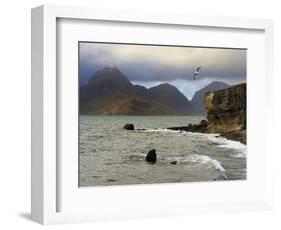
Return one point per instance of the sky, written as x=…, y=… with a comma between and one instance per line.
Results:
x=151, y=65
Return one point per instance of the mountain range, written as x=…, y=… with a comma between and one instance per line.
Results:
x=109, y=92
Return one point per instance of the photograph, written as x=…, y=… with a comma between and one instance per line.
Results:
x=151, y=113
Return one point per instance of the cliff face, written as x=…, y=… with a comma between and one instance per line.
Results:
x=198, y=98
x=226, y=109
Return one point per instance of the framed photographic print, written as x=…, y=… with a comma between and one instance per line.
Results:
x=138, y=114
x=133, y=123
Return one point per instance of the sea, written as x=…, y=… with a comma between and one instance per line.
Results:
x=111, y=155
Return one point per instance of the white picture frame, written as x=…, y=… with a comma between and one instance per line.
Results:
x=47, y=182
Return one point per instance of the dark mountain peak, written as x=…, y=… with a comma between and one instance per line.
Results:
x=110, y=92
x=109, y=69
x=164, y=86
x=168, y=91
x=169, y=95
x=109, y=72
x=110, y=77
x=105, y=82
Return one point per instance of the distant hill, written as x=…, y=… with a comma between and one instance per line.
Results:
x=110, y=92
x=170, y=96
x=198, y=98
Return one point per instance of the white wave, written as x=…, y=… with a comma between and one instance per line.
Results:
x=215, y=163
x=206, y=160
x=163, y=130
x=241, y=149
x=179, y=132
x=202, y=159
x=204, y=135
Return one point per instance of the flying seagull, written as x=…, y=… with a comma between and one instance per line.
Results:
x=196, y=73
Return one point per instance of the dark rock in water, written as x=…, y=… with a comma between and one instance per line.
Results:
x=129, y=127
x=111, y=180
x=173, y=162
x=151, y=157
x=204, y=122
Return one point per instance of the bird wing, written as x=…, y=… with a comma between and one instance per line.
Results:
x=198, y=68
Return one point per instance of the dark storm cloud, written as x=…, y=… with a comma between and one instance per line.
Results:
x=156, y=64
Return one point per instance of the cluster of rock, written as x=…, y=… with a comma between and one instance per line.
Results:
x=195, y=128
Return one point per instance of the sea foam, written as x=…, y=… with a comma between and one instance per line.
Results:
x=162, y=130
x=202, y=159
x=241, y=149
x=206, y=160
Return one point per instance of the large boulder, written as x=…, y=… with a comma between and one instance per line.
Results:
x=151, y=156
x=129, y=127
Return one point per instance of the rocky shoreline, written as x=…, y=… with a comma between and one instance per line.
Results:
x=239, y=135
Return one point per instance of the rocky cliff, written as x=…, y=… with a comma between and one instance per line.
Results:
x=226, y=109
x=226, y=114
x=198, y=98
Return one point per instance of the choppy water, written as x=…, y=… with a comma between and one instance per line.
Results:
x=110, y=155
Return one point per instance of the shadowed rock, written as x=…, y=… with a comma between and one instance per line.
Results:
x=226, y=109
x=199, y=128
x=129, y=127
x=173, y=162
x=151, y=157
